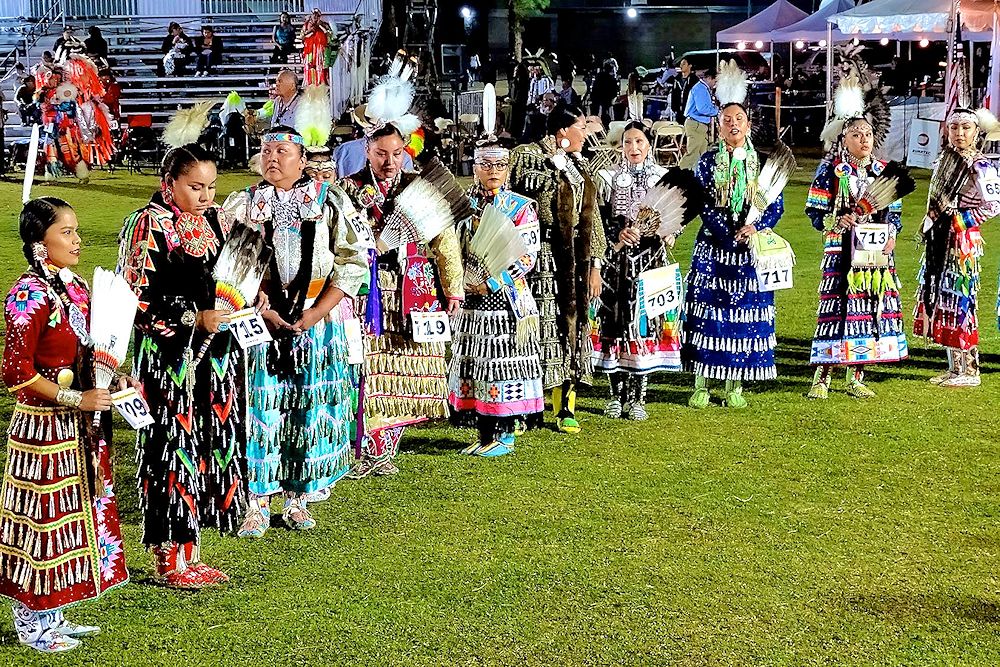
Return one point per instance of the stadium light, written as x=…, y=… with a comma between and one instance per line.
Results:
x=631, y=12
x=466, y=13
x=924, y=43
x=822, y=43
x=758, y=44
x=884, y=41
x=800, y=45
x=741, y=46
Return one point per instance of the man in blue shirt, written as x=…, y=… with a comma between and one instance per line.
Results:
x=698, y=115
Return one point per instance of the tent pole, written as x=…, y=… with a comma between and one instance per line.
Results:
x=829, y=69
x=952, y=12
x=772, y=61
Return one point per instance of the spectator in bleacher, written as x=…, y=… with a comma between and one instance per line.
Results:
x=286, y=98
x=176, y=47
x=26, y=104
x=283, y=39
x=209, y=48
x=315, y=49
x=112, y=93
x=68, y=44
x=96, y=45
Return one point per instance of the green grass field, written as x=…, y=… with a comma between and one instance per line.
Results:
x=792, y=533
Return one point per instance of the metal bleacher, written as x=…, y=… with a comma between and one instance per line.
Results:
x=134, y=52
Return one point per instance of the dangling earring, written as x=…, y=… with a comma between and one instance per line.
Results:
x=40, y=253
x=168, y=194
x=564, y=143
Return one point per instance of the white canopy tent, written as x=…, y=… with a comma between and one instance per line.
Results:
x=760, y=26
x=813, y=28
x=918, y=19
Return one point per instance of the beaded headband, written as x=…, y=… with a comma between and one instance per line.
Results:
x=959, y=115
x=284, y=136
x=491, y=152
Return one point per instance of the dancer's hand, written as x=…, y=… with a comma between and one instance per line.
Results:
x=454, y=305
x=847, y=221
x=310, y=316
x=274, y=320
x=890, y=245
x=126, y=381
x=95, y=400
x=629, y=236
x=481, y=289
x=211, y=320
x=595, y=285
x=263, y=302
x=744, y=233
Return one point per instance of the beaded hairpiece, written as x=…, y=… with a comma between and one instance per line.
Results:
x=284, y=136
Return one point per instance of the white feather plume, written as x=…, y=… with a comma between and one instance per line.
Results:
x=771, y=181
x=187, y=124
x=396, y=66
x=489, y=109
x=390, y=99
x=731, y=84
x=849, y=99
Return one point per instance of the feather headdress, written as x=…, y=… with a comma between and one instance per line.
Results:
x=731, y=85
x=857, y=96
x=488, y=145
x=187, y=125
x=390, y=100
x=848, y=104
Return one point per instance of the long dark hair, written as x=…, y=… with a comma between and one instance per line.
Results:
x=36, y=218
x=561, y=118
x=637, y=125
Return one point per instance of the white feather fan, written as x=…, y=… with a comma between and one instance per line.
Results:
x=112, y=312
x=495, y=246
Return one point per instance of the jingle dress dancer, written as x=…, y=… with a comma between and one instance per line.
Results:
x=567, y=276
x=625, y=353
x=300, y=383
x=191, y=465
x=960, y=202
x=60, y=541
x=859, y=319
x=729, y=320
x=495, y=372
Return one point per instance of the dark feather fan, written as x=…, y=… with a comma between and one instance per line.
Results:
x=951, y=174
x=892, y=184
x=425, y=208
x=672, y=203
x=437, y=175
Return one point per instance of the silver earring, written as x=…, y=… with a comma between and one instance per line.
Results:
x=564, y=143
x=39, y=252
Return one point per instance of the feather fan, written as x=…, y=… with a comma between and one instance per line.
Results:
x=313, y=118
x=112, y=312
x=187, y=125
x=731, y=84
x=892, y=184
x=988, y=124
x=425, y=208
x=771, y=181
x=238, y=271
x=448, y=186
x=667, y=208
x=495, y=246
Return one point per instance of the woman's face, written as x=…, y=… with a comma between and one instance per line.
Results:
x=575, y=134
x=385, y=156
x=859, y=140
x=635, y=145
x=492, y=172
x=194, y=191
x=962, y=134
x=62, y=240
x=735, y=126
x=283, y=163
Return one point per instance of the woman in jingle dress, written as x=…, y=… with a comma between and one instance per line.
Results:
x=625, y=353
x=949, y=275
x=60, y=541
x=495, y=372
x=729, y=321
x=299, y=442
x=191, y=467
x=859, y=321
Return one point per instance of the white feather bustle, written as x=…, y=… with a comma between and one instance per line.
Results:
x=988, y=124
